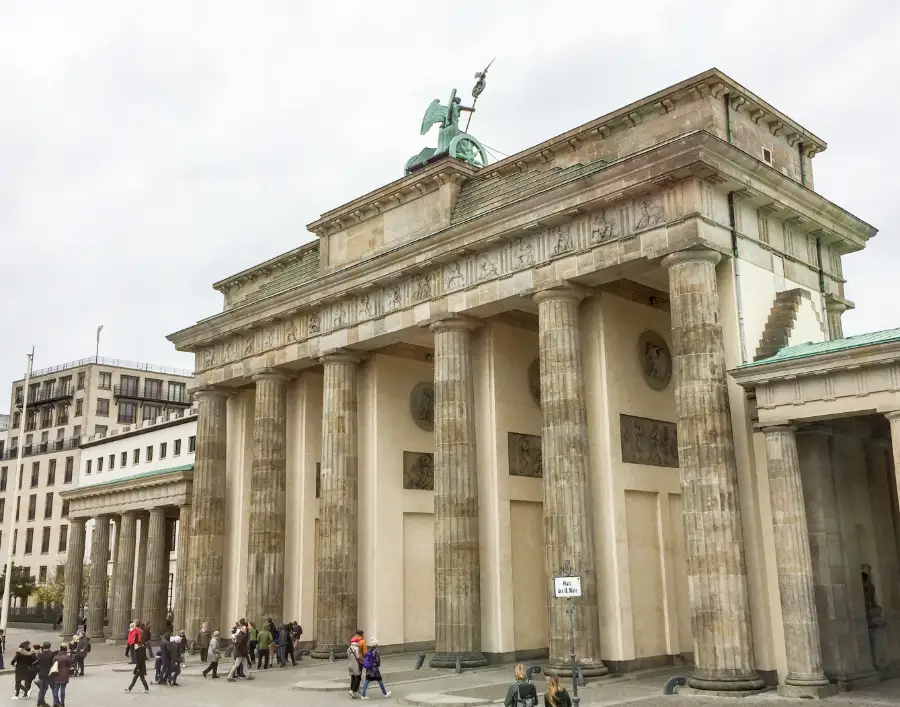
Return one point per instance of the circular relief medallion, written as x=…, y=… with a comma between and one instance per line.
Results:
x=534, y=380
x=655, y=360
x=421, y=405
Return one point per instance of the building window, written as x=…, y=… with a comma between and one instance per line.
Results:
x=61, y=573
x=767, y=155
x=42, y=571
x=31, y=421
x=177, y=450
x=99, y=465
x=2, y=509
x=136, y=456
x=112, y=462
x=48, y=506
x=21, y=472
x=51, y=472
x=65, y=510
x=76, y=435
x=80, y=384
x=63, y=538
x=70, y=470
x=65, y=384
x=127, y=413
x=15, y=540
x=46, y=417
x=177, y=393
x=18, y=507
x=151, y=412
x=17, y=419
x=62, y=415
x=103, y=407
x=32, y=506
x=192, y=444
x=87, y=467
x=152, y=389
x=35, y=474
x=45, y=546
x=100, y=430
x=163, y=446
x=79, y=407
x=149, y=454
x=29, y=540
x=128, y=385
x=105, y=381
x=123, y=460
x=4, y=475
x=169, y=591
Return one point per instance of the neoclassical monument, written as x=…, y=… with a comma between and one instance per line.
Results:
x=592, y=353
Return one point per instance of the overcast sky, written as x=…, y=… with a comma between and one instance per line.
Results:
x=148, y=149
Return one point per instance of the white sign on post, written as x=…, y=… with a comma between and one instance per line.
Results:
x=566, y=587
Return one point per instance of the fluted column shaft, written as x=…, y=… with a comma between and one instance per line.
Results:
x=568, y=498
x=124, y=571
x=835, y=311
x=336, y=593
x=457, y=571
x=265, y=561
x=182, y=562
x=97, y=590
x=74, y=576
x=157, y=578
x=714, y=543
x=113, y=577
x=793, y=560
x=140, y=570
x=207, y=537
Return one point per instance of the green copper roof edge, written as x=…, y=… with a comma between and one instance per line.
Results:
x=818, y=348
x=136, y=477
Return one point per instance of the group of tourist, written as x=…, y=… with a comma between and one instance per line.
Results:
x=47, y=669
x=265, y=645
x=362, y=656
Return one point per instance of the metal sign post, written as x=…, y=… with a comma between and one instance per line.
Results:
x=567, y=585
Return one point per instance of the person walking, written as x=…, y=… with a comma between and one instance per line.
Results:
x=287, y=645
x=214, y=653
x=175, y=660
x=556, y=696
x=23, y=661
x=140, y=667
x=163, y=659
x=203, y=640
x=252, y=632
x=521, y=693
x=134, y=637
x=44, y=662
x=354, y=665
x=241, y=649
x=182, y=647
x=60, y=676
x=263, y=647
x=2, y=648
x=363, y=648
x=372, y=666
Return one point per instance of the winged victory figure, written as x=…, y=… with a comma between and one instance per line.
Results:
x=451, y=140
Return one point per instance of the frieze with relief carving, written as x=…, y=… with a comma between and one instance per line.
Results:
x=418, y=471
x=421, y=405
x=525, y=455
x=649, y=442
x=655, y=360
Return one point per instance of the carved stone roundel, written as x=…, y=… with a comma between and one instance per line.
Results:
x=534, y=380
x=655, y=360
x=421, y=405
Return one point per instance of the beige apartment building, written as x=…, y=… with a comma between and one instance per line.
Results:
x=67, y=404
x=588, y=359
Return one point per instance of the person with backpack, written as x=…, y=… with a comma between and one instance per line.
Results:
x=23, y=661
x=263, y=647
x=521, y=693
x=556, y=696
x=140, y=667
x=354, y=665
x=372, y=666
x=59, y=675
x=44, y=662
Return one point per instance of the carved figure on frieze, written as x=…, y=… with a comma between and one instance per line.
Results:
x=650, y=442
x=269, y=340
x=601, y=228
x=525, y=457
x=365, y=308
x=290, y=331
x=421, y=286
x=314, y=326
x=649, y=213
x=248, y=344
x=418, y=471
x=228, y=352
x=487, y=267
x=560, y=237
x=339, y=317
x=524, y=252
x=655, y=360
x=209, y=356
x=421, y=405
x=393, y=298
x=453, y=276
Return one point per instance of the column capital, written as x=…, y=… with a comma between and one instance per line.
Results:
x=816, y=429
x=778, y=429
x=210, y=393
x=835, y=306
x=452, y=321
x=270, y=374
x=81, y=520
x=694, y=255
x=892, y=415
x=561, y=290
x=342, y=356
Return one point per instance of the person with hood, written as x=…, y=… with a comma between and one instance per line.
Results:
x=203, y=641
x=354, y=665
x=45, y=661
x=286, y=645
x=215, y=654
x=372, y=666
x=23, y=661
x=82, y=648
x=140, y=667
x=263, y=647
x=175, y=658
x=182, y=647
x=60, y=678
x=163, y=659
x=521, y=691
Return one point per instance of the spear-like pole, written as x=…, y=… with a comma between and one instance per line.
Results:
x=478, y=89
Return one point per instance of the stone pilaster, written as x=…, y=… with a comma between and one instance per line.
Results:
x=568, y=498
x=793, y=562
x=97, y=591
x=203, y=601
x=156, y=580
x=140, y=570
x=74, y=577
x=835, y=311
x=338, y=585
x=457, y=572
x=182, y=562
x=265, y=559
x=717, y=570
x=124, y=575
x=113, y=577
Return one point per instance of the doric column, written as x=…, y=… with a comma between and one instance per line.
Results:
x=793, y=562
x=156, y=580
x=182, y=562
x=835, y=311
x=203, y=587
x=336, y=593
x=97, y=590
x=74, y=577
x=124, y=576
x=140, y=571
x=113, y=578
x=568, y=499
x=717, y=570
x=457, y=572
x=265, y=558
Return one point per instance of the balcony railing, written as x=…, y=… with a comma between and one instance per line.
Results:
x=47, y=395
x=115, y=362
x=132, y=392
x=35, y=448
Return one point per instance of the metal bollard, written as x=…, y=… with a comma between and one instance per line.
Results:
x=331, y=655
x=420, y=661
x=531, y=671
x=669, y=689
x=458, y=665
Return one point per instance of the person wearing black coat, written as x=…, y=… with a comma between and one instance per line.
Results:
x=44, y=663
x=23, y=661
x=165, y=659
x=140, y=667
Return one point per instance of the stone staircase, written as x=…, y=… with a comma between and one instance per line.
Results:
x=781, y=322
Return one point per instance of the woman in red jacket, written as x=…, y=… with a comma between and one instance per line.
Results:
x=134, y=637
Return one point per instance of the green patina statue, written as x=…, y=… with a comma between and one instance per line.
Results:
x=452, y=141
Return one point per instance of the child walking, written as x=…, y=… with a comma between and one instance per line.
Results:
x=372, y=665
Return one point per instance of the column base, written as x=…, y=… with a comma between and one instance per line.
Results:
x=857, y=681
x=808, y=692
x=589, y=669
x=324, y=652
x=467, y=659
x=744, y=684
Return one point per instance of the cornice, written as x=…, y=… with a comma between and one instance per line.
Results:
x=270, y=266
